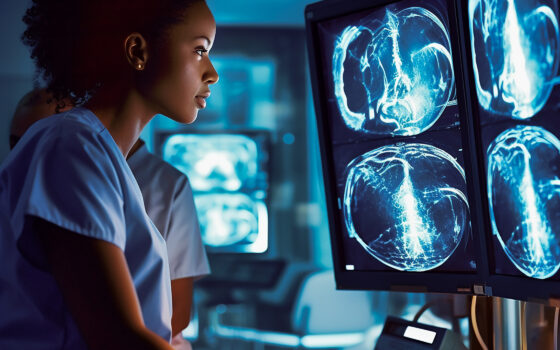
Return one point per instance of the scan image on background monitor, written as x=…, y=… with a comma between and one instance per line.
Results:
x=214, y=162
x=394, y=139
x=514, y=47
x=228, y=173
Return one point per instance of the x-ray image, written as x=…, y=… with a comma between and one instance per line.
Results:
x=395, y=130
x=514, y=46
x=524, y=198
x=406, y=205
x=393, y=72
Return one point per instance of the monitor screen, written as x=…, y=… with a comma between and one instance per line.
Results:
x=514, y=68
x=228, y=173
x=392, y=141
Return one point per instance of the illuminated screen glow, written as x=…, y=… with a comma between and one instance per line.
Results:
x=213, y=162
x=514, y=45
x=406, y=206
x=514, y=48
x=227, y=173
x=394, y=129
x=393, y=75
x=228, y=219
x=524, y=197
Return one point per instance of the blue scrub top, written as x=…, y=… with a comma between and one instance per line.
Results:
x=68, y=170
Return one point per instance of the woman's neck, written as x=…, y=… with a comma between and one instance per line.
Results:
x=123, y=112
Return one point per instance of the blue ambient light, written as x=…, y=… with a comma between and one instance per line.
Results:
x=402, y=69
x=405, y=205
x=524, y=197
x=514, y=46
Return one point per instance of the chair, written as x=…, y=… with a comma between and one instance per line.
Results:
x=320, y=317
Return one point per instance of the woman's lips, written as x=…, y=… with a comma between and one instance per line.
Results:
x=201, y=100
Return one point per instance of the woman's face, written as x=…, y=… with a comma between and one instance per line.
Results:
x=180, y=72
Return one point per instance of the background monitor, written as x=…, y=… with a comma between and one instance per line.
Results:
x=395, y=152
x=228, y=172
x=512, y=51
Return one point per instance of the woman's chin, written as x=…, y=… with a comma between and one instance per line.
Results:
x=185, y=118
x=192, y=118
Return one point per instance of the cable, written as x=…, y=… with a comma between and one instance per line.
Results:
x=428, y=305
x=422, y=309
x=555, y=335
x=475, y=324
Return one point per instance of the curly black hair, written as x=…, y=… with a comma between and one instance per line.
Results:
x=77, y=44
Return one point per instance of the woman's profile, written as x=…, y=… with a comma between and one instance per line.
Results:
x=83, y=266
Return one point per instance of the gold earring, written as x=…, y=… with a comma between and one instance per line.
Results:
x=139, y=66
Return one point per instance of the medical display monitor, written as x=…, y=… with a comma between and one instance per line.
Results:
x=228, y=173
x=514, y=67
x=391, y=126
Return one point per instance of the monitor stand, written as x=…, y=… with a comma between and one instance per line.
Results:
x=504, y=324
x=507, y=324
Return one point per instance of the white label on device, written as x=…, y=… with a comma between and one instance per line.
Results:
x=420, y=334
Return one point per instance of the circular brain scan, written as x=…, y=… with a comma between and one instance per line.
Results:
x=393, y=76
x=405, y=205
x=524, y=197
x=514, y=46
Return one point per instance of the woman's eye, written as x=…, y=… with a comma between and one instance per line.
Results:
x=200, y=52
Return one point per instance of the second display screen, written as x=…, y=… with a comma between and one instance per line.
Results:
x=515, y=55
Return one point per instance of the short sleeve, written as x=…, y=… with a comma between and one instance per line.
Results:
x=75, y=185
x=187, y=255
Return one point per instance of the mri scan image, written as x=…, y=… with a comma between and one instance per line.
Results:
x=524, y=197
x=393, y=74
x=514, y=46
x=405, y=204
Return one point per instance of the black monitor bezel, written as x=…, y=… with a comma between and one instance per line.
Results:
x=507, y=286
x=429, y=281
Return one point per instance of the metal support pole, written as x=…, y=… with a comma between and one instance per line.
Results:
x=507, y=324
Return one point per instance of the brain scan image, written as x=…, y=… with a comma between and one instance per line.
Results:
x=514, y=46
x=394, y=75
x=405, y=204
x=524, y=198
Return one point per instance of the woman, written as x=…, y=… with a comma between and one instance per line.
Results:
x=83, y=266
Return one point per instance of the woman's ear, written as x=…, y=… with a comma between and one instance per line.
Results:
x=136, y=50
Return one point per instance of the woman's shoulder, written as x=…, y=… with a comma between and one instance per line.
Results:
x=73, y=136
x=73, y=128
x=77, y=120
